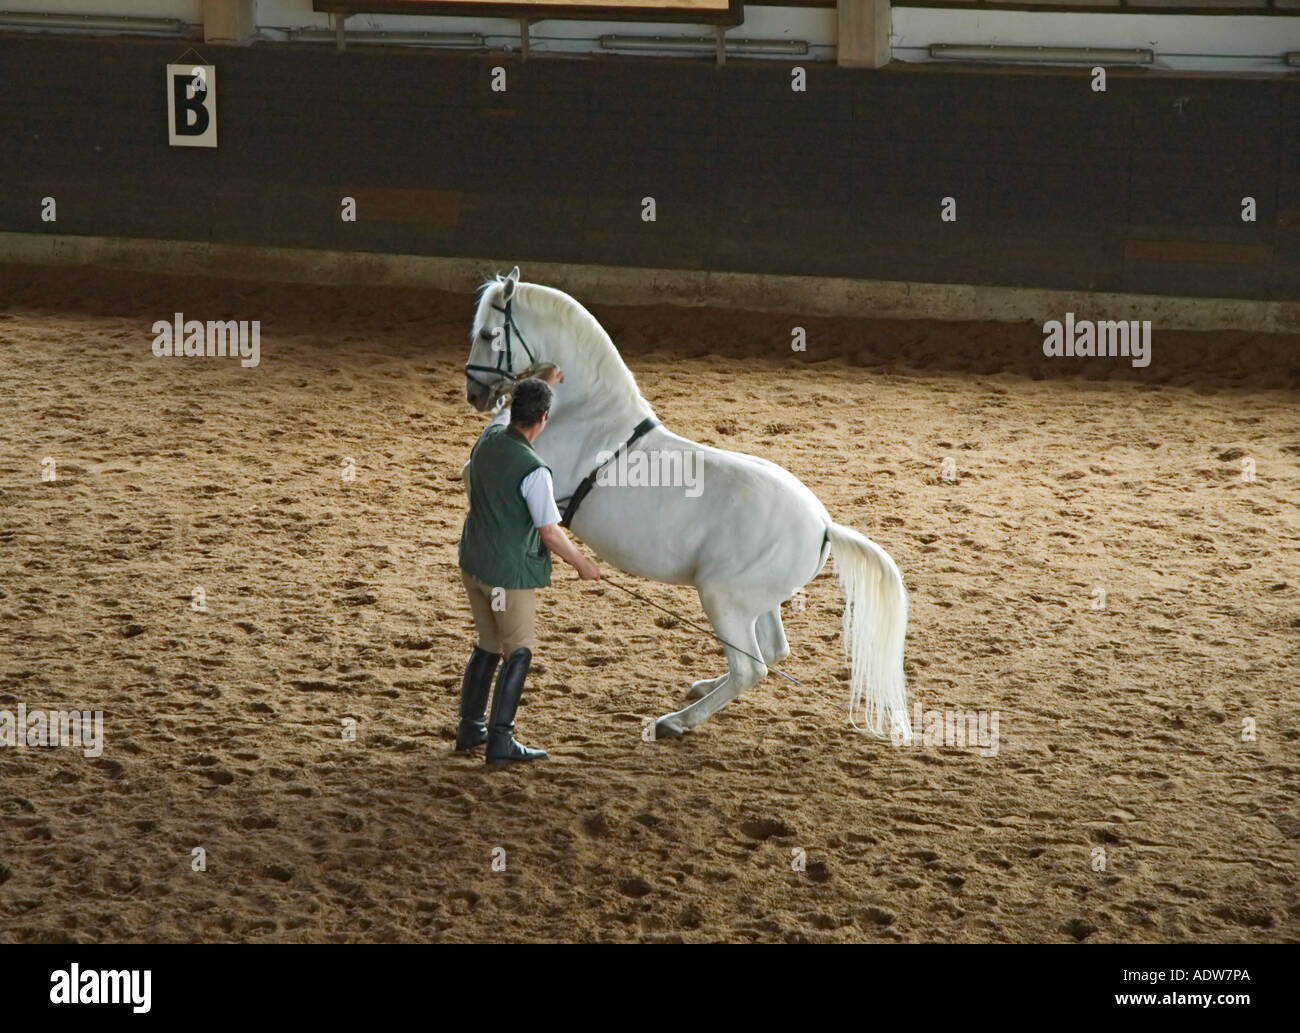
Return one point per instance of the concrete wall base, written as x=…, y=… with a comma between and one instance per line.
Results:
x=613, y=285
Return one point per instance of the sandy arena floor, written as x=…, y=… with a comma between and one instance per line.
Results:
x=1121, y=730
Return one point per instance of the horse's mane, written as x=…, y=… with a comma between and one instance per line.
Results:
x=580, y=331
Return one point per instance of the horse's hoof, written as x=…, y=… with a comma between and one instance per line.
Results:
x=669, y=726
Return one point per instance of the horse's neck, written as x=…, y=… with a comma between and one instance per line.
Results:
x=601, y=406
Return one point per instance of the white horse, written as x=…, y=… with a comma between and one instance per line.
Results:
x=753, y=535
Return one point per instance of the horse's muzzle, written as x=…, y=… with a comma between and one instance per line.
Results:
x=477, y=394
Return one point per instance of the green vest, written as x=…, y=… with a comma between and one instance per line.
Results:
x=499, y=544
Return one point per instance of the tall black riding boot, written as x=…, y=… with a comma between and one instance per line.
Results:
x=474, y=699
x=501, y=745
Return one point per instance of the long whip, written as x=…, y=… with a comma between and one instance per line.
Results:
x=699, y=627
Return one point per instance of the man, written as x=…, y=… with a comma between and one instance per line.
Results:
x=511, y=530
x=547, y=371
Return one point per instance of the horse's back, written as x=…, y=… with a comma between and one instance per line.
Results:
x=756, y=478
x=750, y=521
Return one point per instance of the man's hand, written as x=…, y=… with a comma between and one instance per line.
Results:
x=554, y=538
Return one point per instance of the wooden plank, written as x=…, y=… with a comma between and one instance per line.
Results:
x=1220, y=254
x=419, y=207
x=1189, y=116
x=1056, y=195
x=253, y=211
x=1203, y=191
x=1198, y=268
x=77, y=197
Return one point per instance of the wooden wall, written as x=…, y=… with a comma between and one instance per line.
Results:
x=1137, y=189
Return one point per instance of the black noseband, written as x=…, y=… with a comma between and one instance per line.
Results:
x=506, y=353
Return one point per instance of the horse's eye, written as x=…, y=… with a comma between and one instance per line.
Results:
x=486, y=333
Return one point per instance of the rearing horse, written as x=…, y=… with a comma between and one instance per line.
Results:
x=752, y=535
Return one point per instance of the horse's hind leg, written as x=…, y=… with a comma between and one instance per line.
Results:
x=700, y=689
x=743, y=669
x=772, y=645
x=771, y=637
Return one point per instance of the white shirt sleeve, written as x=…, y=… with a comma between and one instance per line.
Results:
x=539, y=492
x=500, y=419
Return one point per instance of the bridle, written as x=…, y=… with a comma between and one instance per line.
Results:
x=506, y=353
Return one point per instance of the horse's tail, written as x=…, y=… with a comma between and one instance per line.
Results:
x=875, y=624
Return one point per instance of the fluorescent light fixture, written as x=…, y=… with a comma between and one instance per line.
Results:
x=703, y=45
x=467, y=40
x=94, y=23
x=1058, y=55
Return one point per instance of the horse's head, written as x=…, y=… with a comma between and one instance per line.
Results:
x=557, y=330
x=497, y=350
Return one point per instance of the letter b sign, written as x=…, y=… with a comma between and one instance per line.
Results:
x=192, y=105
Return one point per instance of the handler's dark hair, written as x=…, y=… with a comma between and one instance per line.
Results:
x=530, y=401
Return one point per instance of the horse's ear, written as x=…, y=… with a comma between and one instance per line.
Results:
x=512, y=281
